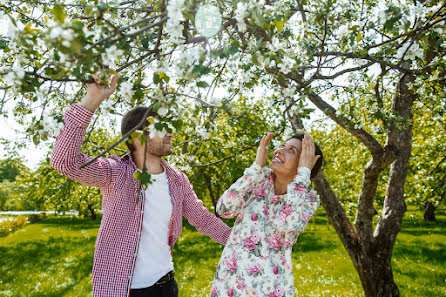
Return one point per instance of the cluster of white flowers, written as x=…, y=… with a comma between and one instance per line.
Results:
x=110, y=56
x=290, y=92
x=65, y=35
x=240, y=14
x=126, y=91
x=160, y=133
x=14, y=77
x=414, y=51
x=173, y=24
x=50, y=125
x=286, y=65
x=342, y=32
x=193, y=54
x=202, y=132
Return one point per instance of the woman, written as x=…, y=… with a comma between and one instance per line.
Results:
x=273, y=205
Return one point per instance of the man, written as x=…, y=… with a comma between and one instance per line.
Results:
x=139, y=225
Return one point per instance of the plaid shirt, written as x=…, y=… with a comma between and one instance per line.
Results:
x=123, y=205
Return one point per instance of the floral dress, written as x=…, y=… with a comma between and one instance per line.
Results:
x=256, y=260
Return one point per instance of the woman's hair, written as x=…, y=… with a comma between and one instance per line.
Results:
x=132, y=118
x=318, y=151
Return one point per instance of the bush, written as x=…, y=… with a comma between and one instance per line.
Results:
x=14, y=223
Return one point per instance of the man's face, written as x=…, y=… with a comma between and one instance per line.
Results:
x=286, y=158
x=156, y=146
x=160, y=146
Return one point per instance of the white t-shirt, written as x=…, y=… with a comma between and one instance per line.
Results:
x=154, y=259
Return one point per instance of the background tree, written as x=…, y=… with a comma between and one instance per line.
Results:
x=363, y=64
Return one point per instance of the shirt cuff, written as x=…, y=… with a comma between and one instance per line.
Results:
x=303, y=176
x=78, y=116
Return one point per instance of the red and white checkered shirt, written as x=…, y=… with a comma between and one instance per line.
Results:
x=122, y=209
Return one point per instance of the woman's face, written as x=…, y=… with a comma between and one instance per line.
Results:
x=286, y=158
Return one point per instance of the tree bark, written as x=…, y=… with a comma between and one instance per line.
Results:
x=211, y=193
x=92, y=212
x=429, y=213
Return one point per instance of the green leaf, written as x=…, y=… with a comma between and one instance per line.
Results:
x=202, y=84
x=358, y=37
x=156, y=78
x=59, y=14
x=279, y=25
x=145, y=178
x=137, y=175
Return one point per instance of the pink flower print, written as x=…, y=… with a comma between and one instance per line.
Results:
x=214, y=292
x=306, y=216
x=254, y=216
x=279, y=291
x=265, y=210
x=226, y=215
x=233, y=239
x=282, y=219
x=240, y=283
x=300, y=188
x=254, y=268
x=276, y=269
x=255, y=236
x=311, y=196
x=249, y=244
x=286, y=209
x=275, y=199
x=231, y=264
x=251, y=292
x=259, y=193
x=274, y=242
x=239, y=218
x=230, y=292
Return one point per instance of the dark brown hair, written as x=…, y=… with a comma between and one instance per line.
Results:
x=132, y=118
x=318, y=151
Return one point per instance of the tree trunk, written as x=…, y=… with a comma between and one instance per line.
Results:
x=92, y=212
x=429, y=213
x=211, y=193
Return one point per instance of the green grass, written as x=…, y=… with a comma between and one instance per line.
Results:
x=53, y=257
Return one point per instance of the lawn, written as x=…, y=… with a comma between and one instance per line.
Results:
x=53, y=257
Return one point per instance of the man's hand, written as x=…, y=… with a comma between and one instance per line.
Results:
x=262, y=151
x=96, y=93
x=307, y=155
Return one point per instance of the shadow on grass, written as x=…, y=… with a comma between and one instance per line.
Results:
x=314, y=242
x=421, y=251
x=71, y=223
x=42, y=256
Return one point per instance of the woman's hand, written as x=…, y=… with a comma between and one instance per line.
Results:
x=307, y=155
x=96, y=93
x=262, y=150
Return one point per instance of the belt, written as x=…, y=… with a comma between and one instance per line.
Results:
x=168, y=277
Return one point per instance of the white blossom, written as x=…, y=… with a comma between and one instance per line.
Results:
x=342, y=32
x=126, y=91
x=202, y=132
x=414, y=52
x=50, y=125
x=192, y=55
x=15, y=76
x=173, y=24
x=286, y=65
x=110, y=56
x=240, y=15
x=162, y=111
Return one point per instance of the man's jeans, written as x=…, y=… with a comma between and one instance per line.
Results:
x=168, y=289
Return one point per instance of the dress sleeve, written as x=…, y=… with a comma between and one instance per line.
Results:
x=299, y=205
x=239, y=195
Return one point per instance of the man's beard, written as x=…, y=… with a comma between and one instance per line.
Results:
x=159, y=151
